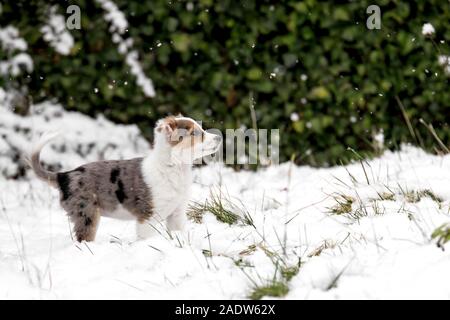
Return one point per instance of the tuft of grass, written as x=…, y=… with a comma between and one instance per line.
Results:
x=196, y=211
x=207, y=253
x=216, y=206
x=442, y=234
x=344, y=205
x=289, y=272
x=387, y=196
x=275, y=288
x=416, y=196
x=222, y=208
x=412, y=196
x=249, y=250
x=269, y=253
x=318, y=251
x=430, y=194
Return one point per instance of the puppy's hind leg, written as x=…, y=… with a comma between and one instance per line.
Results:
x=86, y=224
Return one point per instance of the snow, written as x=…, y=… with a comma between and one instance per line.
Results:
x=55, y=32
x=444, y=61
x=11, y=41
x=136, y=69
x=114, y=16
x=189, y=6
x=378, y=138
x=294, y=116
x=427, y=29
x=382, y=249
x=12, y=44
x=118, y=28
x=16, y=64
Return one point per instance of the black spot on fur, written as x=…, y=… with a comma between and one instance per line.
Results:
x=64, y=184
x=81, y=183
x=87, y=221
x=114, y=174
x=120, y=193
x=82, y=205
x=80, y=213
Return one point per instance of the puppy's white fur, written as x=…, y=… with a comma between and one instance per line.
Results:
x=167, y=171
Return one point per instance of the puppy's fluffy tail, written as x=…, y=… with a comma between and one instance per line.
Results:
x=35, y=164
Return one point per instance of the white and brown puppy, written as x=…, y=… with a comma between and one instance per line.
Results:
x=154, y=187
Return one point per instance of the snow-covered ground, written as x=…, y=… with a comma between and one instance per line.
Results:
x=360, y=231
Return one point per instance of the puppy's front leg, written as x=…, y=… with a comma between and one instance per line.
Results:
x=177, y=220
x=146, y=229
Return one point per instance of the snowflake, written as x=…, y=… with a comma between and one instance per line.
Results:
x=427, y=29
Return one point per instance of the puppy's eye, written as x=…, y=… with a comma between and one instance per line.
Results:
x=180, y=138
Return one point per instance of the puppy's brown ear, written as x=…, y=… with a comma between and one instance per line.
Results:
x=166, y=125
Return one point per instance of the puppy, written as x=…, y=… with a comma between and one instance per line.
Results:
x=154, y=187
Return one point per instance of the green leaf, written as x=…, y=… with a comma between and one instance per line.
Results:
x=254, y=73
x=181, y=41
x=320, y=93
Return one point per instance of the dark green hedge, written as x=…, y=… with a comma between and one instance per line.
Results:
x=214, y=57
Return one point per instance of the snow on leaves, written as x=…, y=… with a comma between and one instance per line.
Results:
x=56, y=34
x=118, y=28
x=11, y=43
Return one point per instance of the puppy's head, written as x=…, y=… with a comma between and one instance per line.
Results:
x=186, y=139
